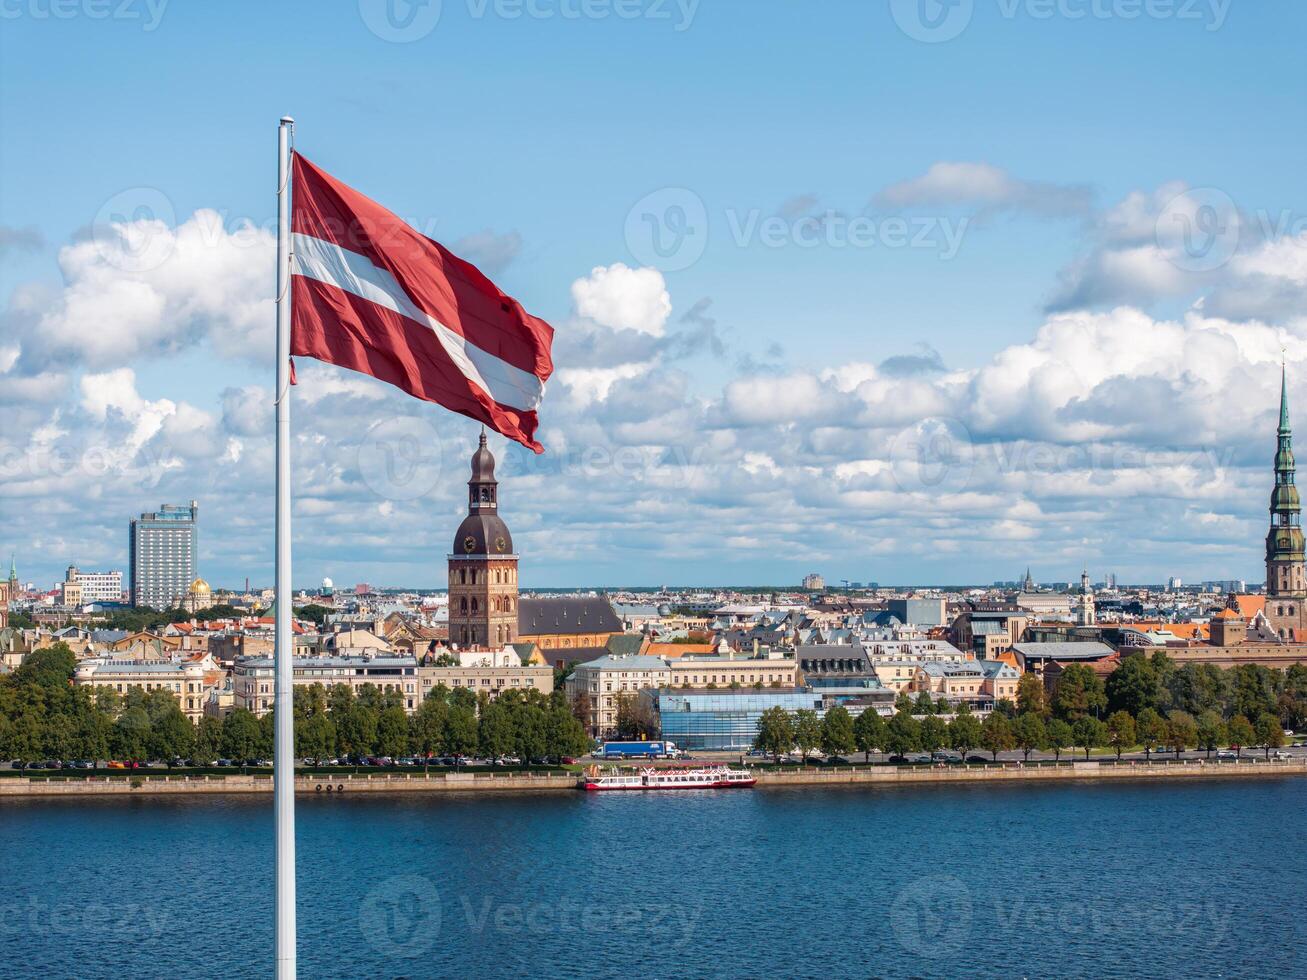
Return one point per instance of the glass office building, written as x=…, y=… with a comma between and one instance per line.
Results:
x=725, y=720
x=162, y=546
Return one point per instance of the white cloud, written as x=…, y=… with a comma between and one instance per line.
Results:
x=623, y=298
x=983, y=188
x=202, y=281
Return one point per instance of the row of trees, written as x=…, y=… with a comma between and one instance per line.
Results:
x=43, y=716
x=1155, y=682
x=840, y=734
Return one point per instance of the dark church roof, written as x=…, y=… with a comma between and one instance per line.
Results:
x=565, y=615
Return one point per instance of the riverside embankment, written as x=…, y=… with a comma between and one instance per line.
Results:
x=499, y=782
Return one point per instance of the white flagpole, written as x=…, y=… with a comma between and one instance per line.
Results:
x=283, y=773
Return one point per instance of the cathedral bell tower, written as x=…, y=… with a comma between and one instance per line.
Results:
x=482, y=565
x=1286, y=572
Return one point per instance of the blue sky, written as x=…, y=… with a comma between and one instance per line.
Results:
x=1043, y=142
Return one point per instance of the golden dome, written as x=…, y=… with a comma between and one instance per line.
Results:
x=200, y=587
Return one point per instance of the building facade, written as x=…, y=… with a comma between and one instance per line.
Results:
x=594, y=687
x=253, y=678
x=190, y=680
x=162, y=548
x=482, y=565
x=1286, y=564
x=93, y=586
x=493, y=680
x=724, y=720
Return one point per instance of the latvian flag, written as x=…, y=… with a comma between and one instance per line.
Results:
x=371, y=294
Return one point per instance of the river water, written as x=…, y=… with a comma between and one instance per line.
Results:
x=978, y=881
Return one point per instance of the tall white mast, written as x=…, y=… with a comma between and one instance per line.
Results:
x=284, y=745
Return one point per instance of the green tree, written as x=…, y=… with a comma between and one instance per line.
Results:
x=807, y=731
x=996, y=734
x=1031, y=697
x=1079, y=692
x=1210, y=730
x=1150, y=729
x=1240, y=733
x=315, y=737
x=171, y=735
x=208, y=741
x=775, y=732
x=564, y=734
x=1059, y=735
x=934, y=733
x=964, y=730
x=903, y=702
x=837, y=732
x=924, y=705
x=1029, y=732
x=427, y=726
x=495, y=731
x=131, y=735
x=1269, y=734
x=1181, y=731
x=1253, y=691
x=1120, y=731
x=49, y=667
x=1088, y=733
x=1133, y=686
x=869, y=732
x=902, y=734
x=356, y=730
x=392, y=732
x=460, y=730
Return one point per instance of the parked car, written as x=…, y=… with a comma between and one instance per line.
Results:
x=115, y=764
x=1281, y=754
x=568, y=760
x=1226, y=754
x=224, y=763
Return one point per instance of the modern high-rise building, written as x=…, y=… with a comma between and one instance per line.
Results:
x=163, y=546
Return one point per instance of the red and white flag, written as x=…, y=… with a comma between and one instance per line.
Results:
x=371, y=294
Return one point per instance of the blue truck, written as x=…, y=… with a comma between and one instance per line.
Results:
x=639, y=750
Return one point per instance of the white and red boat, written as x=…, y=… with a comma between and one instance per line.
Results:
x=708, y=777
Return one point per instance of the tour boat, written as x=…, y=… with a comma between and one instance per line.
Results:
x=711, y=777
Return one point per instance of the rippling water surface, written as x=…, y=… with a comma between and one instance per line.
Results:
x=1085, y=880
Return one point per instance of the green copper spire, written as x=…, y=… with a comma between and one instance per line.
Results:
x=1284, y=542
x=1284, y=400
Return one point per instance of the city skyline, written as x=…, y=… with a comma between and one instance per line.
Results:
x=741, y=405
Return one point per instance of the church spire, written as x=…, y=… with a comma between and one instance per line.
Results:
x=1286, y=574
x=1284, y=399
